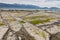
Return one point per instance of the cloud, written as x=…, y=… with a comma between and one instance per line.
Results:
x=53, y=0
x=43, y=3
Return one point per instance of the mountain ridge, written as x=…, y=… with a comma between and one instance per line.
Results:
x=24, y=6
x=3, y=5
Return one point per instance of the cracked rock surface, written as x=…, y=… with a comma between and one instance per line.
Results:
x=16, y=25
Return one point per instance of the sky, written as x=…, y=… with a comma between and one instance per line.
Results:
x=41, y=3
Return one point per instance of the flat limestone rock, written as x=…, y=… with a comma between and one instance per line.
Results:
x=58, y=35
x=11, y=36
x=15, y=26
x=3, y=30
x=53, y=30
x=35, y=32
x=55, y=36
x=19, y=38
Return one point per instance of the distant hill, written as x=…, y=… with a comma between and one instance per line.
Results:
x=24, y=6
x=54, y=8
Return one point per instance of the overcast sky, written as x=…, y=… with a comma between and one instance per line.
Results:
x=43, y=3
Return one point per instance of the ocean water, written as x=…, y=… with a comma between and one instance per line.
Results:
x=17, y=9
x=27, y=9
